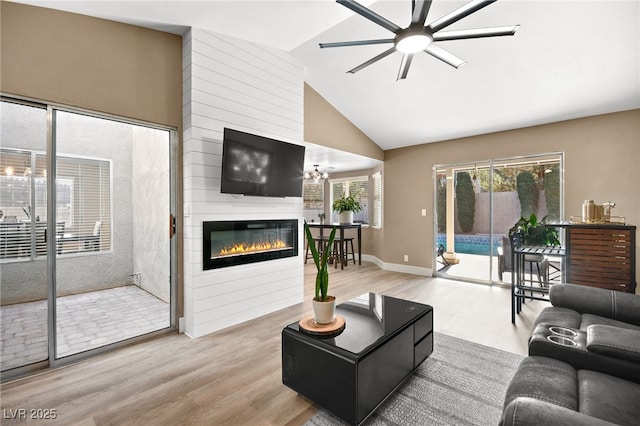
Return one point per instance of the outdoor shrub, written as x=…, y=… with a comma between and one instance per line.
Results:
x=552, y=193
x=527, y=193
x=465, y=201
x=442, y=208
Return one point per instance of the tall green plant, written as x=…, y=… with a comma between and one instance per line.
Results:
x=527, y=193
x=552, y=193
x=322, y=277
x=442, y=208
x=465, y=201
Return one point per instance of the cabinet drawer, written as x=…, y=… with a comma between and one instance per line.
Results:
x=423, y=349
x=422, y=327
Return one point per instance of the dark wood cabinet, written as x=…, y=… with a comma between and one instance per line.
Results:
x=601, y=256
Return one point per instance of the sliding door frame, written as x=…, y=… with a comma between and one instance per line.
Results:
x=51, y=157
x=471, y=165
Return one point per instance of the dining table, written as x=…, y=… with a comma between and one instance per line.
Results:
x=341, y=227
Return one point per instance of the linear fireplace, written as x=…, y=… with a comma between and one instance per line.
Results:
x=230, y=243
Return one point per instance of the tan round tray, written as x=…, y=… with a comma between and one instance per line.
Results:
x=309, y=325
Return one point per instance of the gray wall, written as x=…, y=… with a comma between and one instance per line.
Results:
x=150, y=201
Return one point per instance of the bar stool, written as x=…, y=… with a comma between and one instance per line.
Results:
x=334, y=251
x=340, y=252
x=321, y=244
x=349, y=241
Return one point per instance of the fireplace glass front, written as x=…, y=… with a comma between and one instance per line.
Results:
x=230, y=243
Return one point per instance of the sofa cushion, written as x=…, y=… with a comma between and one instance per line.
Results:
x=615, y=342
x=545, y=379
x=609, y=398
x=552, y=315
x=525, y=411
x=589, y=319
x=597, y=301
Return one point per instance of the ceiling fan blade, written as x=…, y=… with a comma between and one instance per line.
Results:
x=444, y=56
x=372, y=60
x=404, y=66
x=370, y=15
x=420, y=12
x=356, y=43
x=458, y=14
x=475, y=33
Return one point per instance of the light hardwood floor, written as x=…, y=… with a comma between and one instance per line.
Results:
x=233, y=377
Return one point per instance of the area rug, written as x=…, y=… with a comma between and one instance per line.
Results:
x=461, y=383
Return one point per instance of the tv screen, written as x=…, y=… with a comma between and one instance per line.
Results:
x=256, y=165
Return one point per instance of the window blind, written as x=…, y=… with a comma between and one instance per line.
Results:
x=377, y=200
x=83, y=192
x=313, y=200
x=359, y=188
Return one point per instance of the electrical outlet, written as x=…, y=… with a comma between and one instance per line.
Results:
x=406, y=257
x=424, y=212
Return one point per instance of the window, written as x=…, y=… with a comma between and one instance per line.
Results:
x=83, y=204
x=313, y=201
x=357, y=187
x=83, y=200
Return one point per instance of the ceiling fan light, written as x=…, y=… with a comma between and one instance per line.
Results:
x=413, y=43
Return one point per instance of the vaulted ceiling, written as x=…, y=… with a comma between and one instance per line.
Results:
x=568, y=59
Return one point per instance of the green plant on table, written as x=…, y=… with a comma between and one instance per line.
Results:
x=322, y=278
x=536, y=233
x=347, y=203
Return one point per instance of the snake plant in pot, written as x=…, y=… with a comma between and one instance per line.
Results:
x=324, y=306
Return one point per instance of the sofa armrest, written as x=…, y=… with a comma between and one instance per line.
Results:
x=614, y=342
x=612, y=304
x=531, y=411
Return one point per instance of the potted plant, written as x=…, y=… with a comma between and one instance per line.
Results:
x=536, y=233
x=324, y=306
x=346, y=206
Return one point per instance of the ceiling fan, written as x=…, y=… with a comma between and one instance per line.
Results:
x=418, y=37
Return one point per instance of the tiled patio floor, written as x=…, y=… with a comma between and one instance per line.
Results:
x=476, y=267
x=85, y=321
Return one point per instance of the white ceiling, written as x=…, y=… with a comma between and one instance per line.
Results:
x=568, y=59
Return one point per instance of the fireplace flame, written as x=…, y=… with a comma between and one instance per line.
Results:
x=244, y=248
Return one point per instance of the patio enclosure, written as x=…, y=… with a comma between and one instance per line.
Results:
x=84, y=205
x=477, y=203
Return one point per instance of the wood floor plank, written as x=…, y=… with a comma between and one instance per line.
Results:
x=233, y=377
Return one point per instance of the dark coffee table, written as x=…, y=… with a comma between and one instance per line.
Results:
x=385, y=339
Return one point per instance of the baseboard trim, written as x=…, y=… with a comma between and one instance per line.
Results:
x=396, y=267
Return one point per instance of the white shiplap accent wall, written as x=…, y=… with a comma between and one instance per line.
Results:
x=233, y=83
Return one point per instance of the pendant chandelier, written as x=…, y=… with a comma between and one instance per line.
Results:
x=316, y=175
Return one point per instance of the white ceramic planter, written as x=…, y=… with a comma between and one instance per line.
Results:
x=324, y=312
x=346, y=217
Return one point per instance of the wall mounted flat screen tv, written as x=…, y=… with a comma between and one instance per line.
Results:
x=260, y=166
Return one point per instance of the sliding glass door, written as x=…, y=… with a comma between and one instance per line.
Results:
x=23, y=213
x=463, y=221
x=87, y=254
x=477, y=203
x=113, y=246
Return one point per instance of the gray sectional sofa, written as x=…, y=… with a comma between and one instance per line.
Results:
x=584, y=361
